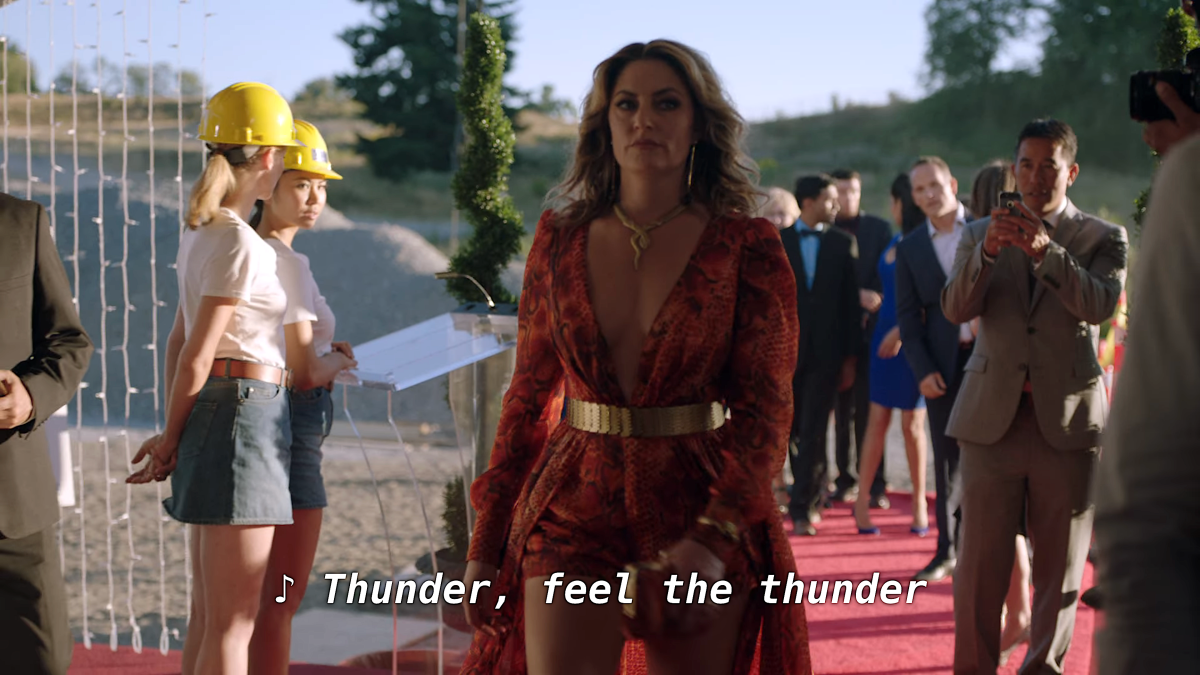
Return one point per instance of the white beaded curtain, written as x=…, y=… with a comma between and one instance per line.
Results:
x=108, y=248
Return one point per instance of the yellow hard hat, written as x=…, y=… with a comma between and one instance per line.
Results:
x=248, y=113
x=312, y=155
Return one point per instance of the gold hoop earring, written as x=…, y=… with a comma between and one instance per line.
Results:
x=687, y=195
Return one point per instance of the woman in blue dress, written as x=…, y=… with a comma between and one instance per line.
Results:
x=893, y=386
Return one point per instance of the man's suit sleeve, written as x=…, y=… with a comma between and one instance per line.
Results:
x=963, y=296
x=851, y=304
x=1090, y=293
x=908, y=317
x=1147, y=487
x=61, y=348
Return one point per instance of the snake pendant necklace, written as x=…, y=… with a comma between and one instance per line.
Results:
x=641, y=235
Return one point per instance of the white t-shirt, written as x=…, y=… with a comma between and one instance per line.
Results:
x=226, y=258
x=304, y=299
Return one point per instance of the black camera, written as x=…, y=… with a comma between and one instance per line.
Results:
x=1144, y=104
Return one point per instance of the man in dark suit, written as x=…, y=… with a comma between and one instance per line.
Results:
x=1040, y=276
x=872, y=236
x=823, y=259
x=937, y=350
x=44, y=354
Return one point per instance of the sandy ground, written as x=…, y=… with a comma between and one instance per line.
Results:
x=116, y=519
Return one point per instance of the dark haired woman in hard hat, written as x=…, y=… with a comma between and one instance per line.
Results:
x=315, y=359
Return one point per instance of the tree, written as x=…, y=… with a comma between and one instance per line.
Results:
x=322, y=98
x=1090, y=51
x=18, y=63
x=550, y=105
x=1177, y=37
x=82, y=78
x=407, y=79
x=966, y=36
x=112, y=76
x=321, y=90
x=481, y=184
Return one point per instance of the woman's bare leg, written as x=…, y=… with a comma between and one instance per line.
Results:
x=1017, y=602
x=292, y=553
x=912, y=424
x=565, y=639
x=709, y=653
x=234, y=558
x=196, y=614
x=876, y=436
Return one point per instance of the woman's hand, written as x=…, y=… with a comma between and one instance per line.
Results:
x=162, y=453
x=889, y=347
x=343, y=348
x=685, y=557
x=345, y=362
x=482, y=614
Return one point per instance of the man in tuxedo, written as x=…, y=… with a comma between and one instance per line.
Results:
x=1147, y=487
x=872, y=236
x=937, y=349
x=44, y=354
x=823, y=259
x=1040, y=277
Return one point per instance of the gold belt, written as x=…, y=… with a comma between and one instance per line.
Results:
x=599, y=418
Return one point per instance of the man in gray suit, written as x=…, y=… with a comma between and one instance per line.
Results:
x=1040, y=277
x=1148, y=484
x=43, y=356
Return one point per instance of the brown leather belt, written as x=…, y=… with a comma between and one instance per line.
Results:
x=251, y=371
x=599, y=418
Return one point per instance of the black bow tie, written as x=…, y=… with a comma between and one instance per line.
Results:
x=807, y=232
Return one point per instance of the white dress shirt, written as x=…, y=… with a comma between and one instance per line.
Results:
x=945, y=246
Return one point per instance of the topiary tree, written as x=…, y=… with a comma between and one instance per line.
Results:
x=481, y=183
x=1177, y=37
x=454, y=518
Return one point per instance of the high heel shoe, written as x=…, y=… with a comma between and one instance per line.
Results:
x=919, y=530
x=872, y=530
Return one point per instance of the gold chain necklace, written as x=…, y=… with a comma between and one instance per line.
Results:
x=641, y=235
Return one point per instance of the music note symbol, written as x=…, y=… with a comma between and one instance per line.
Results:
x=287, y=581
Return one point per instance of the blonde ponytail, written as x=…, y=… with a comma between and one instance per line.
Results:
x=214, y=185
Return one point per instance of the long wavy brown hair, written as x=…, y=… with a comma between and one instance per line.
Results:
x=995, y=177
x=724, y=178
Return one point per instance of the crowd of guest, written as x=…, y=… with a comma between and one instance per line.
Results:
x=985, y=316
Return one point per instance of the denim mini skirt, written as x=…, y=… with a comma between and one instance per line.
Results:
x=312, y=419
x=234, y=456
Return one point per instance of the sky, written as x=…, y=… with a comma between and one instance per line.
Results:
x=778, y=57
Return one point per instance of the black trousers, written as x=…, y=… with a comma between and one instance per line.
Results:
x=35, y=638
x=814, y=393
x=946, y=476
x=854, y=404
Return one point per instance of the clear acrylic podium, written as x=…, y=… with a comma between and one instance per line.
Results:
x=473, y=345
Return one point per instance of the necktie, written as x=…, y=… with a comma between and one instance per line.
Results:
x=1033, y=280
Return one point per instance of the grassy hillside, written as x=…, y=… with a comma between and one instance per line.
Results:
x=877, y=141
x=966, y=128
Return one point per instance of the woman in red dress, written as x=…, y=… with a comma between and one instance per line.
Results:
x=655, y=299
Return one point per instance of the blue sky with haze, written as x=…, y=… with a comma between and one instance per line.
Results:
x=775, y=57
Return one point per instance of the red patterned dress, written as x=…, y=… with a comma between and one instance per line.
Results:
x=583, y=503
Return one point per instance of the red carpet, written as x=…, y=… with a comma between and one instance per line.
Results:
x=847, y=639
x=879, y=639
